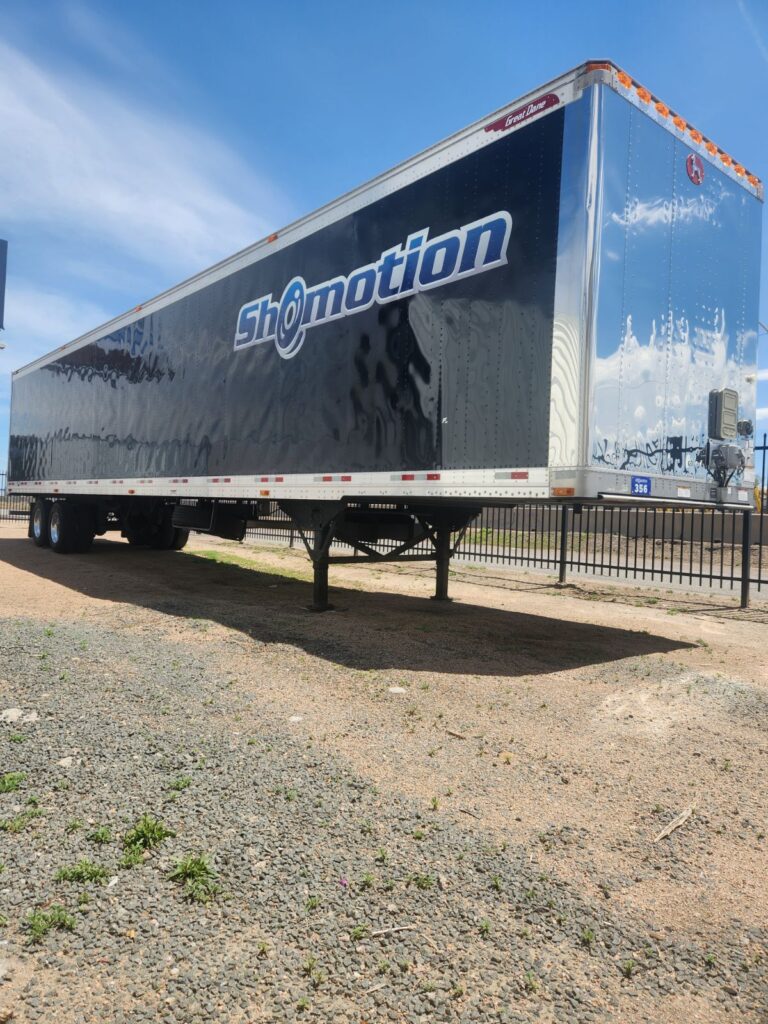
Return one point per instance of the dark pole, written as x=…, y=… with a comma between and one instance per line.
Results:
x=442, y=562
x=323, y=538
x=563, y=542
x=320, y=585
x=746, y=555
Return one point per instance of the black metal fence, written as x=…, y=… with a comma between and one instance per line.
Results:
x=718, y=549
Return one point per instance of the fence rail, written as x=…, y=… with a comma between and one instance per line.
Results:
x=718, y=549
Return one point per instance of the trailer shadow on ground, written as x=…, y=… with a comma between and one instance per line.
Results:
x=367, y=629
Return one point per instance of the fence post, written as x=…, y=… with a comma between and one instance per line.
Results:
x=746, y=556
x=563, y=542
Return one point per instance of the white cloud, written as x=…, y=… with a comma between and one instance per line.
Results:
x=762, y=414
x=42, y=320
x=762, y=374
x=752, y=29
x=80, y=159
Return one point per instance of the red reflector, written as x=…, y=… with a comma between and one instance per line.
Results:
x=519, y=474
x=407, y=476
x=327, y=479
x=185, y=481
x=264, y=480
x=433, y=476
x=346, y=479
x=227, y=479
x=278, y=479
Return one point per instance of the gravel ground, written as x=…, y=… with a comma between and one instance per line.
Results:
x=486, y=777
x=312, y=862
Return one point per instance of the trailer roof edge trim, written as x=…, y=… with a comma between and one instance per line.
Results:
x=561, y=90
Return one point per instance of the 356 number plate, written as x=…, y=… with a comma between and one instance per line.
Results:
x=641, y=486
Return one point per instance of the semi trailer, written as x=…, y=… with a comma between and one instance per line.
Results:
x=559, y=302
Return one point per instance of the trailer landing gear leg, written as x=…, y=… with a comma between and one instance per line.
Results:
x=320, y=566
x=442, y=562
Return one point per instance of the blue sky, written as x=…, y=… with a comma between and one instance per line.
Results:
x=142, y=142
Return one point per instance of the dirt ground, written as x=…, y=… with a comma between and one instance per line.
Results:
x=577, y=721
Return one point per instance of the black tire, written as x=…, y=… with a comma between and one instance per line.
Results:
x=63, y=532
x=38, y=523
x=164, y=536
x=180, y=540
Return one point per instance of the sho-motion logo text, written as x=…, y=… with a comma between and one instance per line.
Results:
x=421, y=263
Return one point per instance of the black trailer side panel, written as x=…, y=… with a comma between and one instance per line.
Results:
x=454, y=377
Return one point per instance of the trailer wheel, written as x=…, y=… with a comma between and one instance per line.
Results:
x=164, y=536
x=38, y=523
x=180, y=540
x=62, y=528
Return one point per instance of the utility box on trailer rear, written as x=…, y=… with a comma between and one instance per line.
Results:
x=559, y=301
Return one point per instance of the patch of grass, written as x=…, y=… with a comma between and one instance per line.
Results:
x=309, y=965
x=457, y=991
x=484, y=928
x=434, y=804
x=40, y=922
x=73, y=826
x=11, y=781
x=496, y=883
x=262, y=950
x=366, y=827
x=628, y=968
x=84, y=871
x=182, y=782
x=382, y=857
x=531, y=983
x=197, y=877
x=3, y=921
x=16, y=737
x=20, y=822
x=710, y=959
x=418, y=833
x=384, y=967
x=367, y=881
x=302, y=1004
x=421, y=881
x=133, y=855
x=312, y=903
x=358, y=932
x=147, y=833
x=587, y=937
x=100, y=835
x=249, y=563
